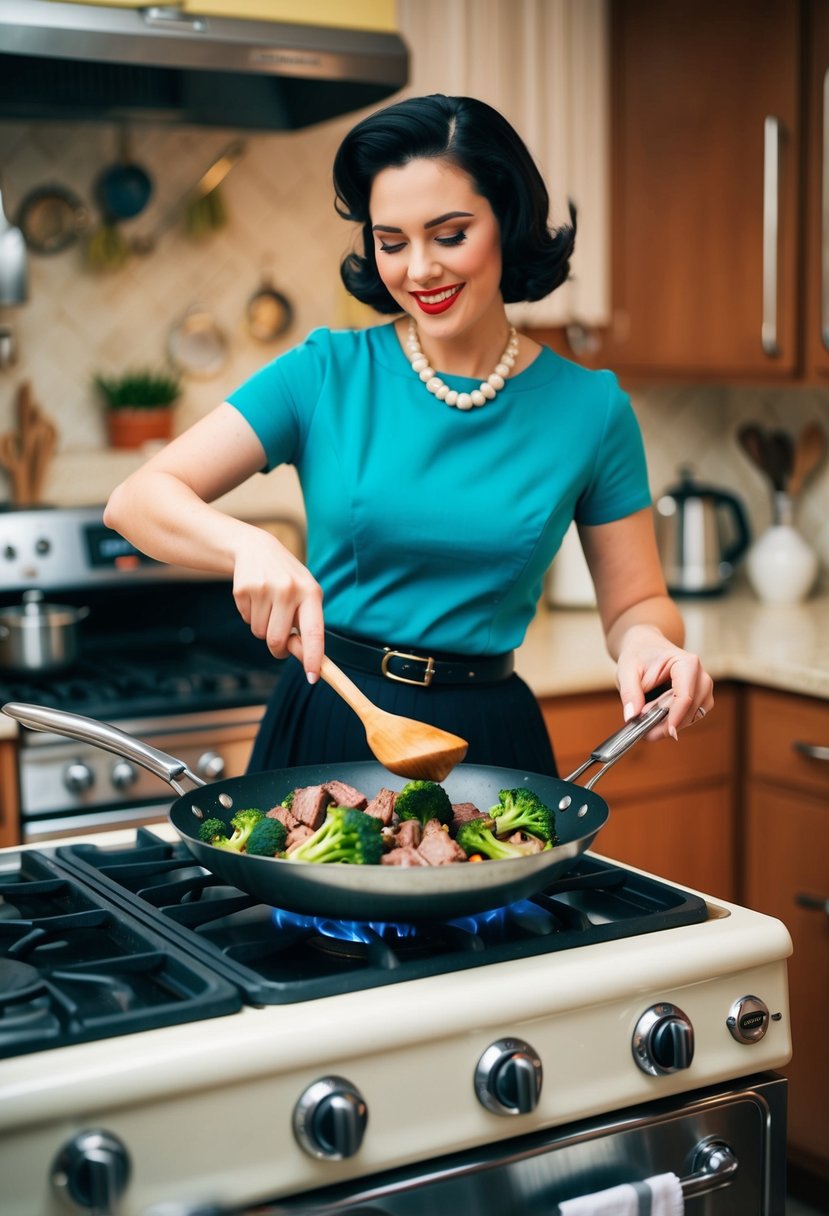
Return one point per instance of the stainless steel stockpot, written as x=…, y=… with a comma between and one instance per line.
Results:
x=38, y=636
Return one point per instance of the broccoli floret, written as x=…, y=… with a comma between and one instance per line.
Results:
x=267, y=838
x=212, y=830
x=423, y=800
x=477, y=836
x=288, y=800
x=347, y=836
x=522, y=810
x=243, y=823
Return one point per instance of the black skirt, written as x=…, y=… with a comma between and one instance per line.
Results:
x=311, y=724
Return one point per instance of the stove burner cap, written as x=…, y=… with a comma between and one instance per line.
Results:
x=17, y=977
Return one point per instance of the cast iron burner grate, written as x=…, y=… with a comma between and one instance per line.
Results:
x=73, y=968
x=278, y=958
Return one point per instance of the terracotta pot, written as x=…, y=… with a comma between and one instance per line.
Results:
x=132, y=428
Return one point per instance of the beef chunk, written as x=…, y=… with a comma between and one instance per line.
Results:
x=382, y=806
x=403, y=857
x=346, y=795
x=296, y=836
x=310, y=804
x=408, y=834
x=438, y=847
x=462, y=812
x=283, y=815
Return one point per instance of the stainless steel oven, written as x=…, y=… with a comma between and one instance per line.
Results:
x=161, y=652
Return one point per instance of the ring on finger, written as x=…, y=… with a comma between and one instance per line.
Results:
x=699, y=714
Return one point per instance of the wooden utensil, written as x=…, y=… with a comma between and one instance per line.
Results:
x=402, y=745
x=754, y=442
x=809, y=452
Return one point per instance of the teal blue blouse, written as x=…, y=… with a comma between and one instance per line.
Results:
x=429, y=526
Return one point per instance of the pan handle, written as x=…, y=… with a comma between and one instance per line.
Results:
x=614, y=748
x=105, y=736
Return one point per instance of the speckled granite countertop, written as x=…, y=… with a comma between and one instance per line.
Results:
x=737, y=637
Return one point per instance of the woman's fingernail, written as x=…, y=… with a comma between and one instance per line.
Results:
x=312, y=677
x=672, y=733
x=629, y=711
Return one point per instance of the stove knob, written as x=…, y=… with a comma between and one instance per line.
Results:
x=123, y=775
x=330, y=1119
x=748, y=1019
x=210, y=766
x=663, y=1041
x=92, y=1171
x=78, y=777
x=508, y=1078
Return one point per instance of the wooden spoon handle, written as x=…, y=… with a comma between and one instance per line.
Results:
x=339, y=681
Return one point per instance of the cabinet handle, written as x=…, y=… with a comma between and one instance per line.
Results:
x=813, y=902
x=813, y=751
x=824, y=244
x=771, y=226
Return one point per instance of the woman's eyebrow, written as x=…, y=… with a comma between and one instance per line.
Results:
x=441, y=219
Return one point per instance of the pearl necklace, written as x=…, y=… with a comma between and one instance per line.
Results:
x=462, y=401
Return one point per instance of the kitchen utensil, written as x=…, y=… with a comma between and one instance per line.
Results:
x=402, y=745
x=367, y=892
x=196, y=345
x=809, y=452
x=14, y=279
x=124, y=188
x=207, y=183
x=38, y=636
x=702, y=532
x=52, y=218
x=269, y=314
x=11, y=460
x=754, y=442
x=780, y=447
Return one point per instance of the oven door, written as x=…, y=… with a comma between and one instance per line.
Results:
x=726, y=1144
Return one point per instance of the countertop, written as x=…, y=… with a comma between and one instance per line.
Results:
x=737, y=637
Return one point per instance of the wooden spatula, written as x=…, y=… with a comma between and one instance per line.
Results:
x=402, y=745
x=810, y=449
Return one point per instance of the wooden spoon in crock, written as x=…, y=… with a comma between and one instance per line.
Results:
x=402, y=745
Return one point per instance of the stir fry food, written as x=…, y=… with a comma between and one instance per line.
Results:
x=418, y=825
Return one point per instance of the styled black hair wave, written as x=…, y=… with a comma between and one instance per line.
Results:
x=477, y=139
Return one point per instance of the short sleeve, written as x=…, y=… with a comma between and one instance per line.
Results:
x=618, y=485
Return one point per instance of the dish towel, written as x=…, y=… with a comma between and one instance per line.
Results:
x=657, y=1196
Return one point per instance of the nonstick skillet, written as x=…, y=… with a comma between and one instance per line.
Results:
x=367, y=893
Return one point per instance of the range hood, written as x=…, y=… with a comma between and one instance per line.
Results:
x=156, y=63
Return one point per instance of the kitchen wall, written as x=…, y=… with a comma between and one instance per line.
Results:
x=280, y=221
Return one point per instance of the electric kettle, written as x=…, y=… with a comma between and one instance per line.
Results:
x=702, y=532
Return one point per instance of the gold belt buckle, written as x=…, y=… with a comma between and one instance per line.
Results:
x=428, y=673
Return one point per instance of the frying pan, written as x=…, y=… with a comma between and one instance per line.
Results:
x=368, y=893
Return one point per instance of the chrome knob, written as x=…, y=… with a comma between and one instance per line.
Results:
x=330, y=1119
x=748, y=1019
x=210, y=766
x=92, y=1171
x=508, y=1078
x=78, y=776
x=123, y=775
x=663, y=1040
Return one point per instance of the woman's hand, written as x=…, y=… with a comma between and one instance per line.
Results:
x=647, y=659
x=274, y=594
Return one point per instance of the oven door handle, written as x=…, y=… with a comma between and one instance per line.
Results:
x=105, y=736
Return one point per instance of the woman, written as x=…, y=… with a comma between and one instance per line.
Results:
x=442, y=457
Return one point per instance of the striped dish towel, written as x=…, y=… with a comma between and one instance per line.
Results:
x=657, y=1196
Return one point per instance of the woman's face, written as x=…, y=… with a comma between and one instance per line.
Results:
x=437, y=245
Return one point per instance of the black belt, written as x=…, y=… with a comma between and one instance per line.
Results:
x=408, y=668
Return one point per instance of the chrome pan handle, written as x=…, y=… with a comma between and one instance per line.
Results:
x=105, y=736
x=614, y=748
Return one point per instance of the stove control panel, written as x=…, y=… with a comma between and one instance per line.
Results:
x=91, y=1172
x=748, y=1019
x=330, y=1119
x=508, y=1078
x=663, y=1041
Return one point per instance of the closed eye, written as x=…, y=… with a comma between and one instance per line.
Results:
x=456, y=239
x=392, y=248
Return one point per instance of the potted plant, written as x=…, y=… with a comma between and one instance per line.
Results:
x=139, y=406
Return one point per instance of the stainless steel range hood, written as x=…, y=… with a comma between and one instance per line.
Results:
x=101, y=63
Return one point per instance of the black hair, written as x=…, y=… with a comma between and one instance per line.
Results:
x=477, y=139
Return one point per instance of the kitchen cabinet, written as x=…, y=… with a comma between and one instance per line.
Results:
x=671, y=804
x=717, y=161
x=787, y=875
x=9, y=796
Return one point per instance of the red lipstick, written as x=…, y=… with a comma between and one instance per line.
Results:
x=422, y=298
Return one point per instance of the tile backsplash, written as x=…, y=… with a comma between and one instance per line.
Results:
x=281, y=224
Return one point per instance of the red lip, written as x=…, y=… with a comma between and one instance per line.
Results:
x=434, y=309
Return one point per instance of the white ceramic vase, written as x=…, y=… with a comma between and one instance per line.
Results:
x=781, y=566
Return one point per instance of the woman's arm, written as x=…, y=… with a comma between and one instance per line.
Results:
x=164, y=510
x=644, y=630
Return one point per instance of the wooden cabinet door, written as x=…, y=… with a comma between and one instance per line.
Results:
x=787, y=876
x=817, y=193
x=693, y=83
x=9, y=794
